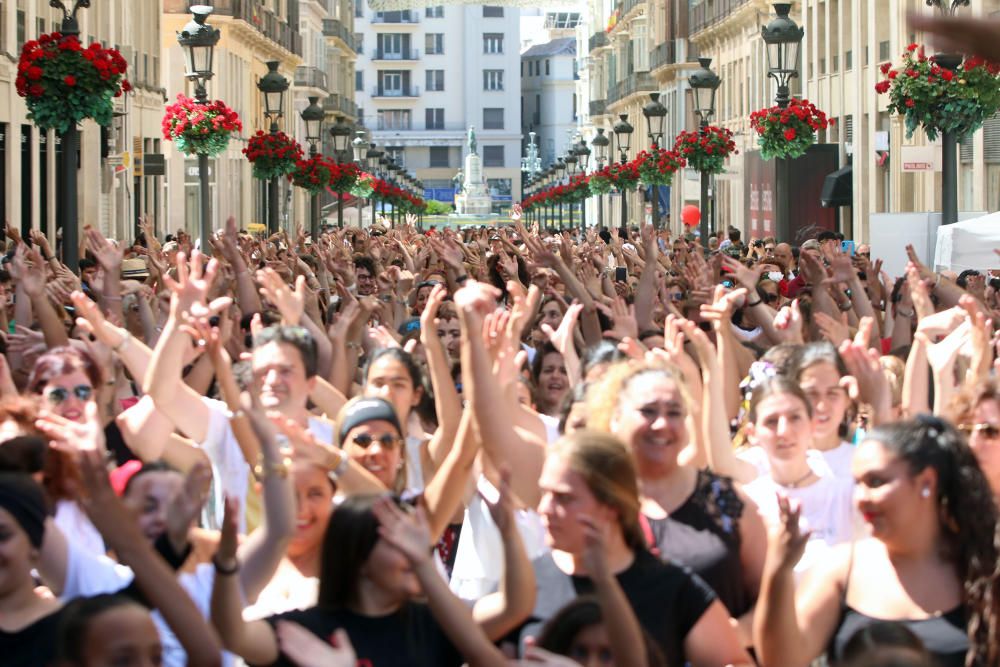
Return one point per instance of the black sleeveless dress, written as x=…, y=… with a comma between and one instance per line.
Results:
x=703, y=534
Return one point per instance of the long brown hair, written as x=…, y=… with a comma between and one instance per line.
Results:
x=607, y=470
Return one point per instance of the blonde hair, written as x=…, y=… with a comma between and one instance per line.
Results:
x=607, y=470
x=894, y=369
x=604, y=398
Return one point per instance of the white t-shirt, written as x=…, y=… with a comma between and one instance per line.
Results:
x=88, y=574
x=827, y=511
x=288, y=590
x=77, y=528
x=757, y=457
x=839, y=459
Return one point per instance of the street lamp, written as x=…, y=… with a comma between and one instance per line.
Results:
x=198, y=39
x=313, y=116
x=273, y=86
x=656, y=120
x=583, y=155
x=570, y=160
x=372, y=156
x=704, y=82
x=341, y=133
x=560, y=173
x=623, y=133
x=70, y=143
x=600, y=144
x=782, y=37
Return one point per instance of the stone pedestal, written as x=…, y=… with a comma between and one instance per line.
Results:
x=475, y=197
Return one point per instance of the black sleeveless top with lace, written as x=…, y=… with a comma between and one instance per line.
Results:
x=704, y=535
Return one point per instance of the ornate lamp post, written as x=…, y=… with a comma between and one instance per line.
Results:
x=583, y=155
x=571, y=162
x=197, y=40
x=600, y=144
x=359, y=147
x=313, y=116
x=783, y=38
x=372, y=157
x=623, y=133
x=704, y=82
x=273, y=86
x=341, y=133
x=559, y=173
x=656, y=120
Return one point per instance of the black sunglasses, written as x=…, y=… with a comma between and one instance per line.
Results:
x=58, y=395
x=388, y=441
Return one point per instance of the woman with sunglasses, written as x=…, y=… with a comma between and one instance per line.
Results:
x=67, y=380
x=976, y=410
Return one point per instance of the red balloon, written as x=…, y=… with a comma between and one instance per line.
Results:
x=690, y=215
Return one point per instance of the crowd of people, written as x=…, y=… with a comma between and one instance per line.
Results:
x=495, y=446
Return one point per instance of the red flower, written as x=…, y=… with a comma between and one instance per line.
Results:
x=34, y=73
x=69, y=80
x=882, y=86
x=789, y=134
x=910, y=103
x=885, y=67
x=911, y=47
x=947, y=75
x=893, y=74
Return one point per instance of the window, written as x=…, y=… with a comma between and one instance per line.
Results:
x=394, y=119
x=397, y=154
x=440, y=156
x=435, y=12
x=359, y=8
x=21, y=29
x=392, y=46
x=492, y=156
x=492, y=79
x=434, y=120
x=537, y=116
x=434, y=43
x=493, y=42
x=884, y=52
x=359, y=80
x=390, y=83
x=435, y=79
x=492, y=12
x=359, y=42
x=547, y=63
x=492, y=119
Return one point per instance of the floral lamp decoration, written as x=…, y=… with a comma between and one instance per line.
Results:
x=616, y=176
x=706, y=150
x=363, y=186
x=64, y=83
x=657, y=166
x=314, y=174
x=344, y=177
x=939, y=99
x=788, y=132
x=272, y=154
x=200, y=129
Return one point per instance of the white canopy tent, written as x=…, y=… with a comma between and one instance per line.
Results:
x=968, y=244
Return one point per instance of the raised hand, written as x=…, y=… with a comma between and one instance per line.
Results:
x=92, y=321
x=595, y=536
x=290, y=303
x=911, y=253
x=408, y=532
x=788, y=323
x=787, y=541
x=502, y=510
x=41, y=241
x=185, y=506
x=70, y=436
x=225, y=554
x=562, y=338
x=307, y=650
x=192, y=285
x=106, y=252
x=833, y=329
x=477, y=297
x=623, y=316
x=28, y=269
x=746, y=277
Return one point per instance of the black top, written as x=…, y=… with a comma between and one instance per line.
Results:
x=409, y=637
x=704, y=534
x=944, y=636
x=33, y=646
x=667, y=599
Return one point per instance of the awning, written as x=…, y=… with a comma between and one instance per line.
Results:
x=838, y=188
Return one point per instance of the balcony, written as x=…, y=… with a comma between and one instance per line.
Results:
x=599, y=40
x=334, y=28
x=406, y=17
x=628, y=5
x=665, y=53
x=598, y=107
x=406, y=92
x=337, y=104
x=307, y=76
x=708, y=14
x=409, y=55
x=255, y=14
x=636, y=82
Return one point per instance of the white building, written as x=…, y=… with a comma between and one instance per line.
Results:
x=548, y=96
x=425, y=76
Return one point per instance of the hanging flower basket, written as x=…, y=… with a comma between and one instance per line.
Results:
x=344, y=176
x=200, y=129
x=657, y=166
x=64, y=83
x=272, y=155
x=314, y=174
x=621, y=177
x=706, y=149
x=938, y=99
x=789, y=132
x=363, y=186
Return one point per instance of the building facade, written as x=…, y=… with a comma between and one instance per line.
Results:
x=549, y=96
x=112, y=189
x=424, y=76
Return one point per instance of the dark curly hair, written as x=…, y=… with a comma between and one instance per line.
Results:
x=968, y=517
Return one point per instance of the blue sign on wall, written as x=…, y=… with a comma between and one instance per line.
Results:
x=446, y=195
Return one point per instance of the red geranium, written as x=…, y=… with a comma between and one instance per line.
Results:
x=200, y=129
x=788, y=132
x=272, y=155
x=706, y=149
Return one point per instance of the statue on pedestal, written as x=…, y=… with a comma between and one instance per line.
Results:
x=472, y=139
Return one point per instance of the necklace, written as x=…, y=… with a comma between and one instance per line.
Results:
x=795, y=484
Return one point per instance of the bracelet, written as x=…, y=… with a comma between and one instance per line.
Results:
x=220, y=570
x=336, y=473
x=462, y=278
x=236, y=414
x=907, y=315
x=755, y=303
x=263, y=470
x=353, y=345
x=122, y=345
